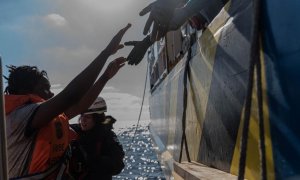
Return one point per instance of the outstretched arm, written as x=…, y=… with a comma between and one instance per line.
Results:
x=169, y=18
x=95, y=90
x=77, y=88
x=167, y=15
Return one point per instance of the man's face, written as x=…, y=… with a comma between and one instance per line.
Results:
x=43, y=89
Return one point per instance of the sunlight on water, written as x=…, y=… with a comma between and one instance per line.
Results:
x=141, y=162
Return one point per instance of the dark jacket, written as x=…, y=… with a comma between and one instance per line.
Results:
x=102, y=153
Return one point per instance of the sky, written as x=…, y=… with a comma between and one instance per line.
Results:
x=64, y=36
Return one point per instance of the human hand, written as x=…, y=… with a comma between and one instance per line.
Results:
x=114, y=67
x=160, y=16
x=180, y=16
x=114, y=44
x=138, y=52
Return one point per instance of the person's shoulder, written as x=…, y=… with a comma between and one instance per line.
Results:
x=17, y=121
x=27, y=107
x=23, y=112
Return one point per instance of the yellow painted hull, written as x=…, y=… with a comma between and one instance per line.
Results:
x=218, y=80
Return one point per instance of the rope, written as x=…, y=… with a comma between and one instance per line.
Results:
x=137, y=124
x=253, y=61
x=244, y=141
x=261, y=122
x=183, y=138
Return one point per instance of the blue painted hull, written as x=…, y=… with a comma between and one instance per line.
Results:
x=219, y=77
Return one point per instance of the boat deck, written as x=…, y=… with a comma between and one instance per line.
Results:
x=196, y=171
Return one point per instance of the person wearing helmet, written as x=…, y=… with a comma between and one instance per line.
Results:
x=101, y=153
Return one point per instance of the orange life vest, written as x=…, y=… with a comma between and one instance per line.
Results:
x=51, y=141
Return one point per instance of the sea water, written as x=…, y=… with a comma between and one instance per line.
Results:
x=140, y=158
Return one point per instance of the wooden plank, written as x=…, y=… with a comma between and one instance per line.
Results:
x=3, y=151
x=196, y=171
x=176, y=176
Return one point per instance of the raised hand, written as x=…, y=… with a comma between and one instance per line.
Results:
x=114, y=44
x=114, y=67
x=138, y=52
x=160, y=15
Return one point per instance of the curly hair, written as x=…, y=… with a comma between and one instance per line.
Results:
x=23, y=79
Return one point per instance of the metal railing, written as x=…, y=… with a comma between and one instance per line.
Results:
x=3, y=151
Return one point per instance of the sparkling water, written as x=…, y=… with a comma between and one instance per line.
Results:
x=140, y=158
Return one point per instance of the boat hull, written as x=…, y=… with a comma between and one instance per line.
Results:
x=219, y=76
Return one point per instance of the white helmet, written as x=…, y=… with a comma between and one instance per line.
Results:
x=98, y=107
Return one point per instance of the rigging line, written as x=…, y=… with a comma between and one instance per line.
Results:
x=262, y=146
x=253, y=61
x=244, y=140
x=141, y=105
x=183, y=138
x=185, y=102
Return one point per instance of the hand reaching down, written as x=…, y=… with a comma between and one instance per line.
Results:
x=160, y=15
x=138, y=52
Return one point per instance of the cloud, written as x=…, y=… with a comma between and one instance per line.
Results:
x=126, y=107
x=123, y=106
x=63, y=54
x=64, y=63
x=63, y=37
x=122, y=100
x=56, y=88
x=55, y=20
x=110, y=89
